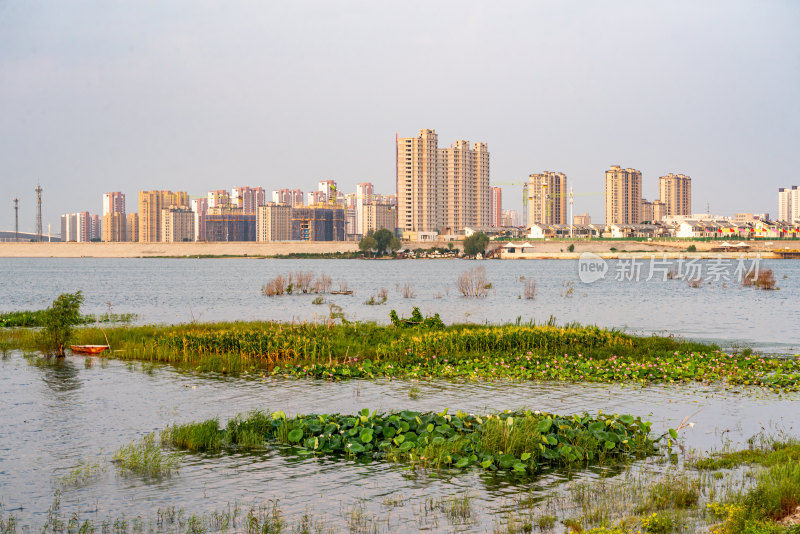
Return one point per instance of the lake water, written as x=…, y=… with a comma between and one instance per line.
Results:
x=55, y=416
x=182, y=290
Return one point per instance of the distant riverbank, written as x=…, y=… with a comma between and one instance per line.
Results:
x=539, y=250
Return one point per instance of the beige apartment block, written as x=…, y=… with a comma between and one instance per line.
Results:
x=652, y=211
x=464, y=176
x=378, y=216
x=675, y=191
x=274, y=222
x=132, y=227
x=418, y=187
x=582, y=220
x=441, y=188
x=547, y=202
x=623, y=196
x=115, y=227
x=177, y=225
x=151, y=203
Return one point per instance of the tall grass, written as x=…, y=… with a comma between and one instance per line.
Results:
x=203, y=436
x=145, y=457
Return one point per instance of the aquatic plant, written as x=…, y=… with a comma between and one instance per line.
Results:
x=473, y=283
x=522, y=442
x=416, y=320
x=145, y=457
x=529, y=288
x=760, y=279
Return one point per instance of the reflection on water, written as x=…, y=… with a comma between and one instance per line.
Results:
x=59, y=374
x=215, y=290
x=57, y=416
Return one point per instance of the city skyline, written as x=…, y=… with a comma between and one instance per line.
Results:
x=112, y=97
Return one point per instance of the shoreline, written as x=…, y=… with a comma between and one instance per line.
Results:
x=545, y=250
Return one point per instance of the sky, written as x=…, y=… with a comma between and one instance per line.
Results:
x=108, y=95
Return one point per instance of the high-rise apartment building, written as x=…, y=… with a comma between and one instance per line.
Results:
x=418, y=188
x=464, y=177
x=789, y=204
x=177, y=225
x=319, y=223
x=132, y=227
x=81, y=227
x=114, y=221
x=219, y=199
x=115, y=227
x=150, y=205
x=364, y=197
x=511, y=218
x=200, y=209
x=377, y=216
x=289, y=197
x=623, y=196
x=317, y=198
x=274, y=222
x=248, y=198
x=652, y=211
x=496, y=207
x=675, y=191
x=113, y=202
x=547, y=202
x=445, y=188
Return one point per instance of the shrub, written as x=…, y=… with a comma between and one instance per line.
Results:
x=762, y=279
x=691, y=248
x=59, y=319
x=571, y=248
x=472, y=283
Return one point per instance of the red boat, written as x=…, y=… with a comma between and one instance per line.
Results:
x=88, y=349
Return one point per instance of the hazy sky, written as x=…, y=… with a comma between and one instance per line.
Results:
x=103, y=95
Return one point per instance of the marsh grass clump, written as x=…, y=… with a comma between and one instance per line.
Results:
x=146, y=457
x=529, y=288
x=473, y=283
x=301, y=282
x=760, y=279
x=673, y=492
x=83, y=474
x=197, y=437
x=248, y=432
x=456, y=508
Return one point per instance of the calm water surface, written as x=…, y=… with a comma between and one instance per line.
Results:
x=181, y=290
x=56, y=416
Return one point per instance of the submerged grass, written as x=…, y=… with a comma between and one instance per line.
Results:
x=146, y=457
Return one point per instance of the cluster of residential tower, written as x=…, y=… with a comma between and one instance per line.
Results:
x=440, y=193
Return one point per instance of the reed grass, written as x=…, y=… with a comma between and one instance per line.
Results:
x=146, y=457
x=197, y=437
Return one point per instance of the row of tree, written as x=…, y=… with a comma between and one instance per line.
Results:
x=384, y=242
